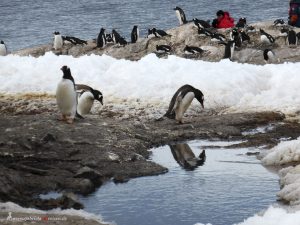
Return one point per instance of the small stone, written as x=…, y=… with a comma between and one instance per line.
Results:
x=48, y=138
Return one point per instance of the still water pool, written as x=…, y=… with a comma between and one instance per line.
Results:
x=227, y=188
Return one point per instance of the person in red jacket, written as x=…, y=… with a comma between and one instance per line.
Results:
x=223, y=21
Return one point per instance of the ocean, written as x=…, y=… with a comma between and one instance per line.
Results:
x=29, y=23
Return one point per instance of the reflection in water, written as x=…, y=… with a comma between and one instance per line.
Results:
x=185, y=157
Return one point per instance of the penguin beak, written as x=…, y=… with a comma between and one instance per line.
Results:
x=101, y=101
x=202, y=105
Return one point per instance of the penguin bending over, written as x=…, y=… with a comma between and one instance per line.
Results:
x=181, y=101
x=58, y=41
x=101, y=39
x=135, y=34
x=3, y=49
x=180, y=15
x=86, y=99
x=279, y=22
x=118, y=39
x=204, y=32
x=270, y=57
x=266, y=38
x=66, y=97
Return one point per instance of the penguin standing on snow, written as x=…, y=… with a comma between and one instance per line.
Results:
x=180, y=15
x=135, y=34
x=86, y=99
x=66, y=98
x=3, y=49
x=181, y=101
x=266, y=38
x=101, y=39
x=58, y=41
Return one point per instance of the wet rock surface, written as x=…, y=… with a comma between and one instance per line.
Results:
x=178, y=38
x=39, y=154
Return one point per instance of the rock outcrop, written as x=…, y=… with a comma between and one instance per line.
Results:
x=251, y=52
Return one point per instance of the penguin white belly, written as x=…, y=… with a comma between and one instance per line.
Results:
x=85, y=103
x=58, y=42
x=183, y=104
x=188, y=52
x=264, y=39
x=66, y=98
x=3, y=50
x=179, y=17
x=137, y=34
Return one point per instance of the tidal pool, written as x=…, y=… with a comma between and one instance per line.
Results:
x=225, y=189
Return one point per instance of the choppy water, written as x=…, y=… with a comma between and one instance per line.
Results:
x=31, y=22
x=226, y=189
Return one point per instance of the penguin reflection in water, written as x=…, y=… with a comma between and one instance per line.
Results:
x=186, y=158
x=182, y=100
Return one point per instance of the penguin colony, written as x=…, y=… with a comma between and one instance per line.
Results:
x=76, y=100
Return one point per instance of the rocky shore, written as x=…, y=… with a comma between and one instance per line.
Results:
x=40, y=154
x=250, y=52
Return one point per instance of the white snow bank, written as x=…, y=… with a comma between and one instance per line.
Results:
x=240, y=87
x=290, y=182
x=285, y=152
x=274, y=216
x=12, y=207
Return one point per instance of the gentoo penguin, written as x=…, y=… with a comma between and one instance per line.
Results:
x=291, y=38
x=150, y=33
x=86, y=100
x=118, y=39
x=244, y=36
x=229, y=49
x=181, y=101
x=101, y=39
x=135, y=34
x=201, y=23
x=216, y=37
x=192, y=50
x=242, y=23
x=163, y=48
x=3, y=49
x=159, y=33
x=279, y=22
x=66, y=98
x=185, y=157
x=204, y=32
x=58, y=41
x=236, y=37
x=108, y=38
x=266, y=38
x=180, y=15
x=269, y=56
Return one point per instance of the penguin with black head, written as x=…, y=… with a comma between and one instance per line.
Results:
x=180, y=15
x=66, y=97
x=101, y=39
x=58, y=41
x=3, y=49
x=135, y=34
x=182, y=100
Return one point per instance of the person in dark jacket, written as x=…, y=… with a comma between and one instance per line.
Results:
x=294, y=13
x=223, y=20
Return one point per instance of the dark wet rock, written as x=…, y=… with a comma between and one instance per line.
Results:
x=120, y=179
x=48, y=138
x=111, y=149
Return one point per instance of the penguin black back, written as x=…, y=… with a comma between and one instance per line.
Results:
x=292, y=38
x=134, y=34
x=183, y=91
x=101, y=40
x=270, y=37
x=182, y=18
